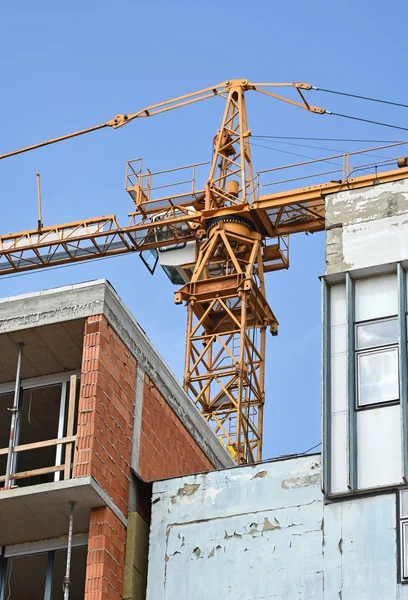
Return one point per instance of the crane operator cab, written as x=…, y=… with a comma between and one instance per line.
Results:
x=172, y=258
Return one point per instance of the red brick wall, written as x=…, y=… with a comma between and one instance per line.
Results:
x=166, y=447
x=106, y=409
x=106, y=556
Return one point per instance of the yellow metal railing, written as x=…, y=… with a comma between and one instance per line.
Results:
x=280, y=177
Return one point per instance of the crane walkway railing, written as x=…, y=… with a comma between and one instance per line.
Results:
x=347, y=165
x=153, y=190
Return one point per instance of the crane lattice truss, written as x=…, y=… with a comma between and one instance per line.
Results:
x=239, y=235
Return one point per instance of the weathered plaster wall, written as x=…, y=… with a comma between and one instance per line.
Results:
x=264, y=532
x=367, y=227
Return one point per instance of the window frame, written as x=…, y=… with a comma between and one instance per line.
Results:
x=402, y=525
x=48, y=547
x=373, y=350
x=44, y=381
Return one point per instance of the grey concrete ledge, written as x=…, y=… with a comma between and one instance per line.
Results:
x=38, y=512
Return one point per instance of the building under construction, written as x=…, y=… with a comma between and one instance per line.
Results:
x=100, y=446
x=99, y=417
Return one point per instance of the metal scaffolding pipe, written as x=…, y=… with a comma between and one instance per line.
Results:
x=14, y=417
x=67, y=580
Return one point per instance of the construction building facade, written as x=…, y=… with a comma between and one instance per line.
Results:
x=92, y=415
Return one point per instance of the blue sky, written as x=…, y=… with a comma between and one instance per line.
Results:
x=67, y=66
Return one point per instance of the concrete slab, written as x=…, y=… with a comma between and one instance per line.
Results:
x=39, y=512
x=53, y=348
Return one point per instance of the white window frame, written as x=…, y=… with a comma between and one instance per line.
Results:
x=41, y=381
x=374, y=350
x=403, y=539
x=53, y=544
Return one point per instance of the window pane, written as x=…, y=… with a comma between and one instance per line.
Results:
x=404, y=503
x=39, y=415
x=405, y=550
x=78, y=569
x=6, y=402
x=378, y=377
x=25, y=577
x=381, y=333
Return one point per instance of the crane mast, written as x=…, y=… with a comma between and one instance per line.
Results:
x=227, y=312
x=230, y=235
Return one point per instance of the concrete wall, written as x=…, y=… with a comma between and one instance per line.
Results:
x=367, y=227
x=263, y=532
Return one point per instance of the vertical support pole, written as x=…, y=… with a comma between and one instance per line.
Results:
x=207, y=393
x=48, y=576
x=403, y=375
x=262, y=336
x=40, y=223
x=326, y=389
x=240, y=102
x=14, y=418
x=60, y=432
x=351, y=386
x=187, y=356
x=67, y=580
x=242, y=432
x=70, y=425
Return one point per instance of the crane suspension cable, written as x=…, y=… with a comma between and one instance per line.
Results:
x=54, y=140
x=328, y=112
x=360, y=97
x=324, y=148
x=318, y=139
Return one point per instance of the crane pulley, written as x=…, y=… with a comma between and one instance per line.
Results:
x=217, y=240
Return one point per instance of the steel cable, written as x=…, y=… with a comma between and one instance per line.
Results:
x=360, y=97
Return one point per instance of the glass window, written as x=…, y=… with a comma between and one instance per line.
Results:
x=377, y=371
x=403, y=549
x=6, y=403
x=404, y=536
x=29, y=575
x=42, y=416
x=25, y=577
x=378, y=377
x=380, y=333
x=78, y=570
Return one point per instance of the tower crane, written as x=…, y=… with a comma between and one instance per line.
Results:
x=216, y=240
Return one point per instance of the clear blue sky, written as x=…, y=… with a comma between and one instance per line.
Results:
x=69, y=65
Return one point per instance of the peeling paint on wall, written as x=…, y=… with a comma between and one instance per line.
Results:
x=270, y=536
x=367, y=227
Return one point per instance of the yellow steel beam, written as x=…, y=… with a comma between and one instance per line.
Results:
x=64, y=243
x=177, y=102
